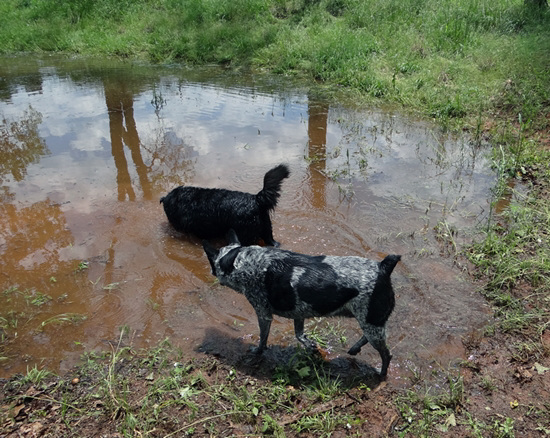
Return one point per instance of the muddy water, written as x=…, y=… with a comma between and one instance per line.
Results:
x=89, y=147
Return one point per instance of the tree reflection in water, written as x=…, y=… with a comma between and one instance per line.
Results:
x=122, y=126
x=20, y=144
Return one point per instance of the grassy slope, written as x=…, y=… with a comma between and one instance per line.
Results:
x=447, y=59
x=479, y=64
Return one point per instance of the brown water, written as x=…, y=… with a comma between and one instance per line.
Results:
x=87, y=148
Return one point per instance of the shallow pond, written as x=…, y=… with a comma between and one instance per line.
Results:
x=88, y=147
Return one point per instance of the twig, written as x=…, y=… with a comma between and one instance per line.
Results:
x=203, y=420
x=318, y=410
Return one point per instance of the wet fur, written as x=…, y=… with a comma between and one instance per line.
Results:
x=211, y=213
x=299, y=286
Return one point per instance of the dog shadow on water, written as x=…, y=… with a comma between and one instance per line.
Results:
x=293, y=364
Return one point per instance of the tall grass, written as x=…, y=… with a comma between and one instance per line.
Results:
x=449, y=59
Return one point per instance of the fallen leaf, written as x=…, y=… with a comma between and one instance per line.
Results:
x=451, y=420
x=184, y=391
x=540, y=369
x=32, y=392
x=17, y=409
x=523, y=374
x=514, y=404
x=33, y=429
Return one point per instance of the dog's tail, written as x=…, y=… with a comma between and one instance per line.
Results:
x=382, y=300
x=273, y=179
x=387, y=265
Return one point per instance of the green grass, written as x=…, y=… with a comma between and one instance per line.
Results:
x=150, y=391
x=447, y=59
x=512, y=254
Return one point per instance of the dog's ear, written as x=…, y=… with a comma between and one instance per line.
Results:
x=232, y=237
x=227, y=262
x=212, y=254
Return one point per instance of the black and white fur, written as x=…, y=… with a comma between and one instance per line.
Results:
x=298, y=286
x=209, y=213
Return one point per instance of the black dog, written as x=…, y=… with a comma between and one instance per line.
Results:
x=298, y=286
x=209, y=213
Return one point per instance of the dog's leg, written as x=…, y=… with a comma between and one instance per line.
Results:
x=269, y=241
x=377, y=337
x=265, y=326
x=382, y=348
x=299, y=331
x=267, y=230
x=386, y=358
x=358, y=345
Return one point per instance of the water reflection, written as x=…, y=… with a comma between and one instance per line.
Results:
x=20, y=144
x=97, y=136
x=317, y=142
x=122, y=127
x=31, y=240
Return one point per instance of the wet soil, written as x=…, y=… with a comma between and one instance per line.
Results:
x=519, y=393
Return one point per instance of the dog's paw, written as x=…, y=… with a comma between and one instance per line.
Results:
x=256, y=350
x=307, y=343
x=353, y=351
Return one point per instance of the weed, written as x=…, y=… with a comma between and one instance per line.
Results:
x=446, y=234
x=63, y=318
x=300, y=368
x=488, y=384
x=456, y=392
x=271, y=427
x=153, y=304
x=322, y=331
x=321, y=425
x=37, y=298
x=504, y=429
x=34, y=376
x=82, y=266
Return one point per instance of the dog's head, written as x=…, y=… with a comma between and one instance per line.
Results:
x=222, y=260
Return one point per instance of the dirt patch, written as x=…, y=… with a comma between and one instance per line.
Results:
x=75, y=405
x=150, y=393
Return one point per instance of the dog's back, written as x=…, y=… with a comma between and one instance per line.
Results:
x=208, y=213
x=299, y=285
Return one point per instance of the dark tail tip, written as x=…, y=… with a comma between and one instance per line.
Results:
x=273, y=179
x=275, y=176
x=389, y=262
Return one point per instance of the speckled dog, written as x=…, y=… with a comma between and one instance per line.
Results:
x=298, y=286
x=212, y=212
